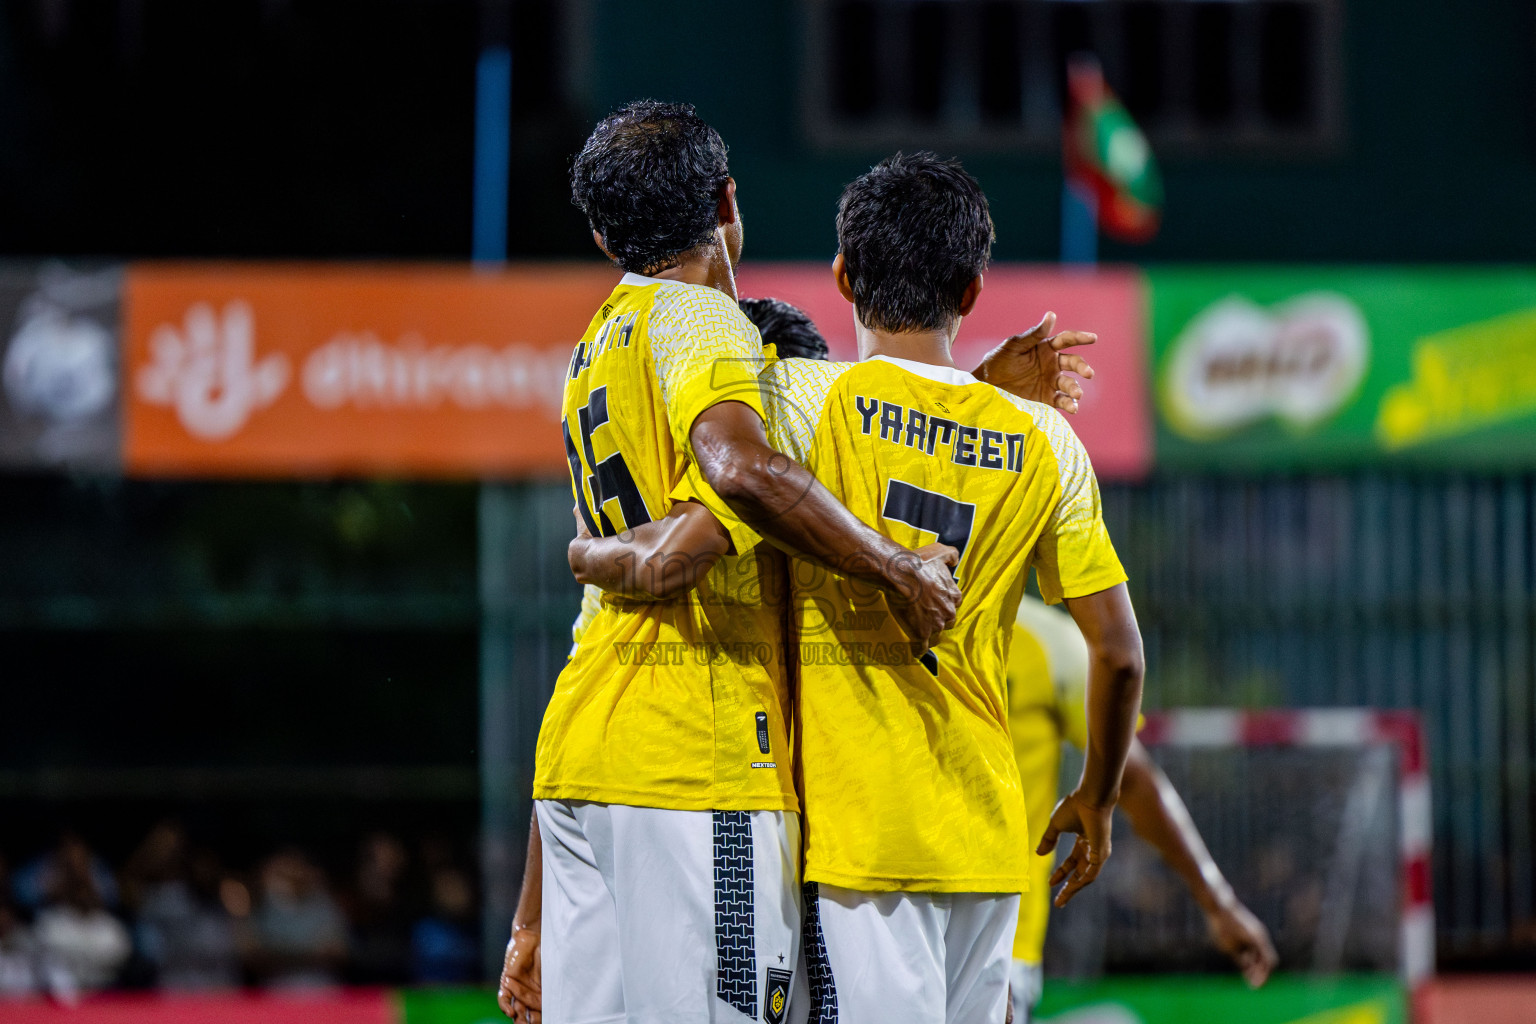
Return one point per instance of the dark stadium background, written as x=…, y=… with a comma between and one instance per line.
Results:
x=275, y=663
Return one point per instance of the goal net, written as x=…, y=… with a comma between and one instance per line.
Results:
x=1320, y=820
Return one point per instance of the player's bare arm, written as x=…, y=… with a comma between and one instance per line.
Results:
x=655, y=561
x=1115, y=670
x=1157, y=813
x=779, y=498
x=520, y=994
x=1035, y=365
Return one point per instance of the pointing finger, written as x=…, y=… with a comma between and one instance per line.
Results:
x=1072, y=339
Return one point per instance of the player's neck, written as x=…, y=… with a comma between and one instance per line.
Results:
x=919, y=346
x=707, y=265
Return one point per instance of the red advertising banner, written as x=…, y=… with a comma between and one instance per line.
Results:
x=317, y=370
x=1114, y=420
x=1494, y=999
x=364, y=1006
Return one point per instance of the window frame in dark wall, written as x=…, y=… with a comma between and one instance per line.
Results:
x=1043, y=26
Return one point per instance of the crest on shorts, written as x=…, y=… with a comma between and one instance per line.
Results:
x=776, y=995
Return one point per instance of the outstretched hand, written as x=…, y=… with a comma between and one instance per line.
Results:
x=1090, y=850
x=1244, y=939
x=1034, y=365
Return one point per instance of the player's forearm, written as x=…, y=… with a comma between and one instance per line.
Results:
x=783, y=501
x=1115, y=670
x=530, y=902
x=655, y=561
x=1114, y=701
x=1159, y=816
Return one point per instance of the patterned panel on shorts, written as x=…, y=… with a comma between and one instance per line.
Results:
x=818, y=967
x=735, y=935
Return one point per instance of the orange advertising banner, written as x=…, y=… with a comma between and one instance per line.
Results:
x=274, y=370
x=319, y=370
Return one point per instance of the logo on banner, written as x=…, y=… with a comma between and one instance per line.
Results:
x=1463, y=380
x=1237, y=363
x=207, y=370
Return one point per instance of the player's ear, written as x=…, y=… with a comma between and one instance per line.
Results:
x=597, y=237
x=725, y=212
x=972, y=293
x=840, y=275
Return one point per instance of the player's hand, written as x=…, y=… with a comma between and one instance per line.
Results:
x=1243, y=937
x=929, y=599
x=582, y=533
x=1090, y=850
x=521, y=994
x=1034, y=365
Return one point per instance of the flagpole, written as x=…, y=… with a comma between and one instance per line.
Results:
x=1079, y=223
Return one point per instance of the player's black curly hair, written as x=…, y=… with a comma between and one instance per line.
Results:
x=786, y=328
x=914, y=231
x=649, y=180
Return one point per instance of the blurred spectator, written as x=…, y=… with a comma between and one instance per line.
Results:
x=75, y=928
x=297, y=936
x=183, y=931
x=26, y=969
x=381, y=920
x=34, y=881
x=443, y=947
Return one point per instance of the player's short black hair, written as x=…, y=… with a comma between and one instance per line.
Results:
x=649, y=180
x=914, y=231
x=786, y=328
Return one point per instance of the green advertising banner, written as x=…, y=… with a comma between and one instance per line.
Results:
x=450, y=1006
x=1167, y=999
x=1187, y=999
x=1320, y=367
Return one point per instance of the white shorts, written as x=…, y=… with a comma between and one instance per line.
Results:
x=654, y=916
x=908, y=957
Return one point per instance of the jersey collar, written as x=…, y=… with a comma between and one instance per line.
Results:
x=942, y=374
x=640, y=280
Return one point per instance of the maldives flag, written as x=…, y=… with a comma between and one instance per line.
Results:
x=1108, y=155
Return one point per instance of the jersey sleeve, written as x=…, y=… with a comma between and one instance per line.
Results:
x=706, y=352
x=795, y=398
x=794, y=393
x=1074, y=556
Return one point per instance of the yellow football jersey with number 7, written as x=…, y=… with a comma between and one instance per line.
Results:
x=678, y=704
x=907, y=771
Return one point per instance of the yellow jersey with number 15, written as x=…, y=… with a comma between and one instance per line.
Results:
x=676, y=704
x=907, y=770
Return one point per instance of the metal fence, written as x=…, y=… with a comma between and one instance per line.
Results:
x=1369, y=590
x=1362, y=590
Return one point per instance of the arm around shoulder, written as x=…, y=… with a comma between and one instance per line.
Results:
x=656, y=561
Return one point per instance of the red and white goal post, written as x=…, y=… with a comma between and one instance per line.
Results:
x=1196, y=728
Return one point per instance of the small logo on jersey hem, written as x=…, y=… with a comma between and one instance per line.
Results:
x=765, y=764
x=776, y=995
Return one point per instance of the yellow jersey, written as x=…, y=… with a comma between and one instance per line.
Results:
x=1047, y=691
x=906, y=766
x=678, y=704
